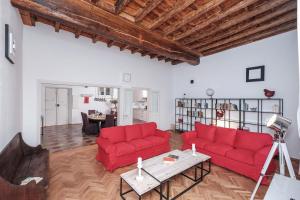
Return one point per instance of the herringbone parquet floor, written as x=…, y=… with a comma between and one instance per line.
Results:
x=75, y=174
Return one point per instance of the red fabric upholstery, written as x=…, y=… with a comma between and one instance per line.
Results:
x=155, y=140
x=148, y=129
x=252, y=141
x=123, y=153
x=220, y=149
x=225, y=136
x=141, y=144
x=199, y=142
x=123, y=148
x=133, y=132
x=114, y=134
x=241, y=155
x=234, y=151
x=204, y=131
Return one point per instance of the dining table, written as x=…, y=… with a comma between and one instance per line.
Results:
x=99, y=118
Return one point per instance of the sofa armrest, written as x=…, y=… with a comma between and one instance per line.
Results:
x=188, y=135
x=27, y=149
x=106, y=145
x=262, y=154
x=163, y=134
x=21, y=192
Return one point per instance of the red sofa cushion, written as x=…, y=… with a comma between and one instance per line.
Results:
x=199, y=142
x=123, y=148
x=241, y=155
x=141, y=144
x=252, y=141
x=220, y=149
x=225, y=136
x=204, y=131
x=148, y=129
x=133, y=132
x=114, y=134
x=156, y=140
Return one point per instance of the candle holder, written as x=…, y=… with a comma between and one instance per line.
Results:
x=139, y=177
x=194, y=150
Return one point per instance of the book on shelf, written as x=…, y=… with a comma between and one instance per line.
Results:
x=170, y=159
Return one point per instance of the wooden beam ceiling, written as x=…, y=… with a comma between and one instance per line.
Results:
x=97, y=21
x=174, y=31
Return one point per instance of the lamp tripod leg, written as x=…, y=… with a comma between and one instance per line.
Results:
x=281, y=160
x=264, y=169
x=287, y=158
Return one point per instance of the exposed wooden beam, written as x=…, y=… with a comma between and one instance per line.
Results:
x=192, y=15
x=281, y=20
x=160, y=58
x=123, y=47
x=57, y=26
x=252, y=22
x=153, y=56
x=216, y=17
x=27, y=18
x=257, y=36
x=95, y=38
x=133, y=51
x=110, y=43
x=178, y=6
x=121, y=4
x=95, y=1
x=263, y=10
x=143, y=53
x=82, y=16
x=176, y=62
x=168, y=60
x=150, y=5
x=77, y=33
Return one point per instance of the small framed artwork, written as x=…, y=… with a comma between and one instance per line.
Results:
x=10, y=44
x=254, y=74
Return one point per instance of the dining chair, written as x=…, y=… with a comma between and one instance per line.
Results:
x=90, y=112
x=87, y=127
x=109, y=121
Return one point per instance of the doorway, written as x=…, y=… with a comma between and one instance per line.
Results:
x=140, y=107
x=56, y=106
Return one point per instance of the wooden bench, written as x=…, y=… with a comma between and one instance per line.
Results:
x=19, y=161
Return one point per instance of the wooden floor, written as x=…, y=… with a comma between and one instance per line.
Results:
x=75, y=174
x=58, y=138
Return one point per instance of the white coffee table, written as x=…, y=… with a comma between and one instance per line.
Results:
x=156, y=173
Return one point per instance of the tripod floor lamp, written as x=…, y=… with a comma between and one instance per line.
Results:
x=280, y=125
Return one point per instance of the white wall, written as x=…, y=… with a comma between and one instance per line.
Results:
x=225, y=73
x=60, y=58
x=10, y=76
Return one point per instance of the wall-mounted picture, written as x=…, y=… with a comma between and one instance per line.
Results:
x=254, y=74
x=10, y=44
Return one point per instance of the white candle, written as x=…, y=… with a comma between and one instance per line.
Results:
x=194, y=149
x=139, y=166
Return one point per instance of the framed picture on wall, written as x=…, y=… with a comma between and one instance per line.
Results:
x=10, y=44
x=254, y=74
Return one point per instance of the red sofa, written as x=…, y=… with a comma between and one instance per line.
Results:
x=241, y=151
x=121, y=145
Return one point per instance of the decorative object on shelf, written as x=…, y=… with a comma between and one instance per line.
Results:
x=180, y=120
x=246, y=107
x=254, y=74
x=245, y=128
x=10, y=44
x=139, y=166
x=194, y=149
x=189, y=113
x=210, y=92
x=100, y=99
x=206, y=105
x=199, y=105
x=253, y=109
x=269, y=93
x=180, y=104
x=220, y=113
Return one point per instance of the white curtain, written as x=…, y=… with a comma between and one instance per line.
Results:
x=298, y=32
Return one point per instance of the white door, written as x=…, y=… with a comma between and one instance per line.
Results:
x=56, y=106
x=62, y=107
x=50, y=107
x=127, y=109
x=154, y=103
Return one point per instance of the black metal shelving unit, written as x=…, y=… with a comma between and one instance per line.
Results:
x=241, y=113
